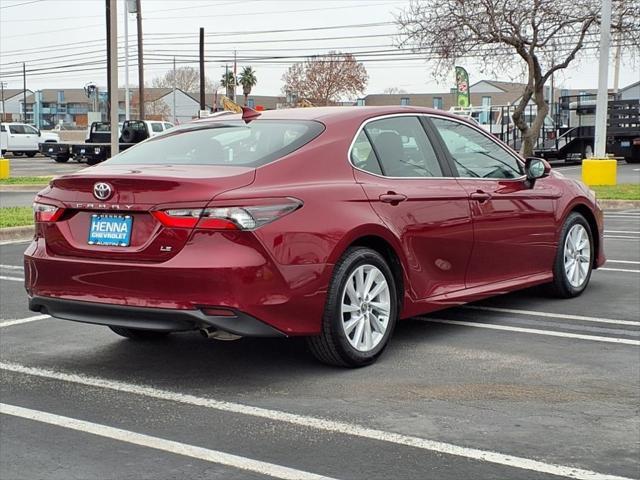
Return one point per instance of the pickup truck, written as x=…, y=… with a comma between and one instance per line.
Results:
x=97, y=146
x=24, y=139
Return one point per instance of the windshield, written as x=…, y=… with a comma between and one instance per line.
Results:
x=232, y=143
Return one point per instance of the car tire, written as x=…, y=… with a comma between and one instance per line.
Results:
x=61, y=159
x=138, y=334
x=31, y=154
x=344, y=319
x=574, y=258
x=93, y=161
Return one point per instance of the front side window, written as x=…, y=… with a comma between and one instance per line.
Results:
x=475, y=154
x=16, y=129
x=403, y=148
x=30, y=130
x=231, y=143
x=156, y=127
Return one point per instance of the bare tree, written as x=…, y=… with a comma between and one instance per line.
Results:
x=542, y=36
x=187, y=79
x=394, y=91
x=327, y=78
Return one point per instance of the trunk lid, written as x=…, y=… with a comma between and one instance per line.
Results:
x=135, y=193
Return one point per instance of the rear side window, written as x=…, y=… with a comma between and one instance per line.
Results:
x=363, y=156
x=2, y=129
x=232, y=143
x=156, y=127
x=403, y=148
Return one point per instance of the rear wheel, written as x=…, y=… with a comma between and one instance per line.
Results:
x=138, y=334
x=360, y=313
x=574, y=258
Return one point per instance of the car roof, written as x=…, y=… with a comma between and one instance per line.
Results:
x=324, y=114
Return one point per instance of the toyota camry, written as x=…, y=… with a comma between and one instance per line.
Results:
x=329, y=223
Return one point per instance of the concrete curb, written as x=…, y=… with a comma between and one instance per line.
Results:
x=22, y=188
x=619, y=204
x=16, y=233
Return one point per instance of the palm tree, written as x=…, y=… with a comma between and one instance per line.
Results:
x=228, y=81
x=248, y=80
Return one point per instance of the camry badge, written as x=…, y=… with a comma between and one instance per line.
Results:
x=102, y=191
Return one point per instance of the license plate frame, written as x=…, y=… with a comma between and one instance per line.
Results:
x=110, y=230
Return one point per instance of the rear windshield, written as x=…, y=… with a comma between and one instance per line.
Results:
x=230, y=142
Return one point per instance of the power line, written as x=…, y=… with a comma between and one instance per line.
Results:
x=20, y=4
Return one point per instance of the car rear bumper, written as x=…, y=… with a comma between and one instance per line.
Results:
x=159, y=319
x=214, y=270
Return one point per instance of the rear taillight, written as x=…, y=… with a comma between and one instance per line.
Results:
x=246, y=217
x=46, y=213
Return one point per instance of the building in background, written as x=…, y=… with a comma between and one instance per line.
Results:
x=11, y=104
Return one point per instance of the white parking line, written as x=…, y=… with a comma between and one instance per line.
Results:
x=19, y=321
x=316, y=423
x=622, y=236
x=214, y=456
x=627, y=270
x=563, y=316
x=621, y=231
x=12, y=267
x=12, y=279
x=13, y=242
x=631, y=262
x=535, y=331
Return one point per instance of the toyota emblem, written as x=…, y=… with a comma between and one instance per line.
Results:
x=102, y=191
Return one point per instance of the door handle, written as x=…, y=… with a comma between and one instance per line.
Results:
x=392, y=197
x=480, y=196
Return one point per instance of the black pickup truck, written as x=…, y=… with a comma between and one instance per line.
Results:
x=97, y=146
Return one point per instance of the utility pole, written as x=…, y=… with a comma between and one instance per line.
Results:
x=140, y=62
x=24, y=91
x=126, y=60
x=235, y=74
x=174, y=91
x=602, y=100
x=113, y=74
x=2, y=84
x=202, y=99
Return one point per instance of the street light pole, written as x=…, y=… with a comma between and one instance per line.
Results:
x=140, y=62
x=602, y=100
x=126, y=61
x=113, y=74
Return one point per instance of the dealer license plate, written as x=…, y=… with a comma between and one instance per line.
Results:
x=110, y=230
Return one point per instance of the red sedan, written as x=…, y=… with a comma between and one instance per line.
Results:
x=331, y=223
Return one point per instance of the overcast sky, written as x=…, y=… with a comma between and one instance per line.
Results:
x=71, y=33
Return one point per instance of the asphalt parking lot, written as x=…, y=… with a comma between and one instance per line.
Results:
x=519, y=386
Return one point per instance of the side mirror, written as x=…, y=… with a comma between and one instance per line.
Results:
x=536, y=168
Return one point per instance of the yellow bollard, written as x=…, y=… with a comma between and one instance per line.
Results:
x=5, y=168
x=599, y=171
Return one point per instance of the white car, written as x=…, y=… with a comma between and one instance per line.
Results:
x=22, y=138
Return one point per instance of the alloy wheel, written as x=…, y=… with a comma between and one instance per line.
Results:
x=577, y=255
x=365, y=307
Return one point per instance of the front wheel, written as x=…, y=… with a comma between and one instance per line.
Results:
x=61, y=158
x=360, y=313
x=31, y=154
x=574, y=259
x=138, y=334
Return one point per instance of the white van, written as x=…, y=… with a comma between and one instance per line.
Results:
x=22, y=138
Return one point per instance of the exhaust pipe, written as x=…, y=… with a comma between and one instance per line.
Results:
x=216, y=334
